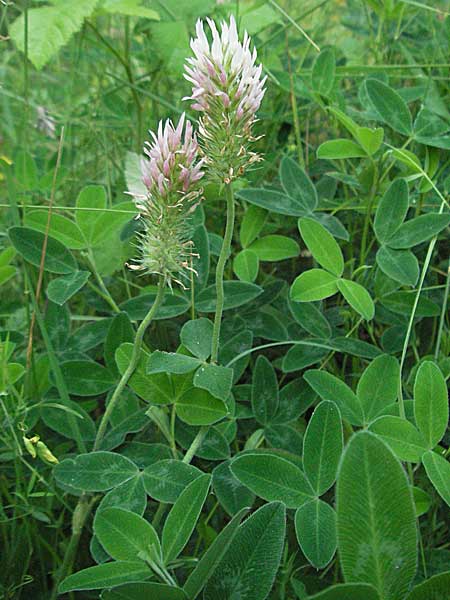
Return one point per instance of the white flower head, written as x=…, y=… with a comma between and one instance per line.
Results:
x=227, y=88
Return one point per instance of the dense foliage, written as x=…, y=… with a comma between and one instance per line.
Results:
x=231, y=383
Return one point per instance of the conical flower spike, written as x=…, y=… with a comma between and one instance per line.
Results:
x=171, y=172
x=227, y=88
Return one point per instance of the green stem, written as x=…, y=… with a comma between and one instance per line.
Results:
x=373, y=189
x=196, y=443
x=443, y=313
x=80, y=515
x=133, y=362
x=223, y=257
x=103, y=291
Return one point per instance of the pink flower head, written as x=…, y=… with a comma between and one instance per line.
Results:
x=172, y=165
x=227, y=88
x=170, y=172
x=224, y=71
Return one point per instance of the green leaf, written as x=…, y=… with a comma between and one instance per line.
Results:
x=264, y=391
x=120, y=332
x=105, y=576
x=29, y=244
x=422, y=501
x=249, y=566
x=312, y=285
x=390, y=106
x=340, y=149
x=275, y=202
x=431, y=403
x=315, y=527
x=252, y=224
x=156, y=388
x=166, y=479
x=63, y=288
x=49, y=29
x=370, y=139
x=335, y=390
x=419, y=230
x=212, y=557
x=399, y=265
x=125, y=535
x=324, y=72
x=172, y=305
x=230, y=492
x=358, y=298
x=391, y=210
x=215, y=379
x=86, y=378
x=130, y=8
x=347, y=591
x=301, y=356
x=273, y=478
x=144, y=591
x=236, y=294
x=310, y=318
x=401, y=436
x=196, y=336
x=95, y=472
x=171, y=362
x=438, y=471
x=129, y=495
x=378, y=386
x=377, y=538
x=199, y=407
x=246, y=265
x=91, y=197
x=403, y=302
x=181, y=520
x=298, y=186
x=434, y=588
x=6, y=273
x=322, y=446
x=322, y=246
x=275, y=247
x=61, y=228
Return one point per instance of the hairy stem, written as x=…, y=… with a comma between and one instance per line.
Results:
x=133, y=362
x=223, y=257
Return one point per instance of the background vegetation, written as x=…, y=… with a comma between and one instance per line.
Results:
x=354, y=184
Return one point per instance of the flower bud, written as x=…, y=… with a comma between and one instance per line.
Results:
x=45, y=454
x=29, y=446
